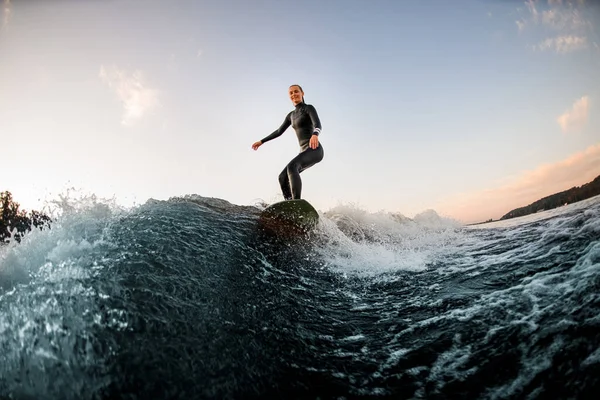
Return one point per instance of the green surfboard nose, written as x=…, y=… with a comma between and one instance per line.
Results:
x=289, y=217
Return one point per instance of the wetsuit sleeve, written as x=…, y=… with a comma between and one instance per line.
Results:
x=286, y=124
x=314, y=117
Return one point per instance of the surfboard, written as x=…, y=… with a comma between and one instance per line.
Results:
x=289, y=217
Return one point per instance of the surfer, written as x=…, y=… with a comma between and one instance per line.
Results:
x=306, y=123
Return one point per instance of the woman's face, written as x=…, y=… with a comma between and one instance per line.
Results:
x=296, y=94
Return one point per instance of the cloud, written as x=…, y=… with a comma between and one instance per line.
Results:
x=576, y=117
x=563, y=23
x=561, y=19
x=532, y=10
x=6, y=14
x=564, y=44
x=569, y=2
x=136, y=96
x=525, y=188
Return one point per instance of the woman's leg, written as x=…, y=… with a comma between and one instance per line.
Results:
x=289, y=179
x=284, y=182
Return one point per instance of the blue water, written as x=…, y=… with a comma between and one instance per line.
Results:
x=186, y=298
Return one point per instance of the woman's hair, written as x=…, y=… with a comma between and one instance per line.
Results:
x=299, y=87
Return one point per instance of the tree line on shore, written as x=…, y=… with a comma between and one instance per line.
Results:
x=576, y=193
x=14, y=222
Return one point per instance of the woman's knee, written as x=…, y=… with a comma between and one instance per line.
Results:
x=293, y=168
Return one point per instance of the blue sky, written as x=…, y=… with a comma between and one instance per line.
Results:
x=470, y=108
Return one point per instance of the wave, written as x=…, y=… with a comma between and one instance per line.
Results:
x=186, y=298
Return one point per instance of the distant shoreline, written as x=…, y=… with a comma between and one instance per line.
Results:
x=573, y=195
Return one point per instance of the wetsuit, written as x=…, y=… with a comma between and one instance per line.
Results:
x=305, y=121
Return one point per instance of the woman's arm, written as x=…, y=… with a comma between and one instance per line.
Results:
x=316, y=122
x=286, y=124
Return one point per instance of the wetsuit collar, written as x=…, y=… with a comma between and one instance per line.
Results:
x=300, y=104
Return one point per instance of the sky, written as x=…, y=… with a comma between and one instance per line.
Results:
x=469, y=108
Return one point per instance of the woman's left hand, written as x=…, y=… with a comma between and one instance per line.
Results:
x=314, y=142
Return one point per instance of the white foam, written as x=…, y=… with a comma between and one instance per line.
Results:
x=44, y=278
x=393, y=358
x=593, y=358
x=451, y=362
x=358, y=242
x=353, y=338
x=59, y=251
x=532, y=365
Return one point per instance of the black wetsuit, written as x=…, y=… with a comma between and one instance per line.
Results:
x=305, y=121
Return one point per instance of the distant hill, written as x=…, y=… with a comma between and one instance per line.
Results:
x=576, y=193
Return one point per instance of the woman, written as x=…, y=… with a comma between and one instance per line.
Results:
x=306, y=123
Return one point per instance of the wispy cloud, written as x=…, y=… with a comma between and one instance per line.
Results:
x=532, y=10
x=132, y=91
x=569, y=2
x=564, y=18
x=575, y=118
x=525, y=188
x=564, y=44
x=6, y=14
x=563, y=23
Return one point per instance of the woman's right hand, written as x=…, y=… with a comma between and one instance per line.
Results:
x=256, y=145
